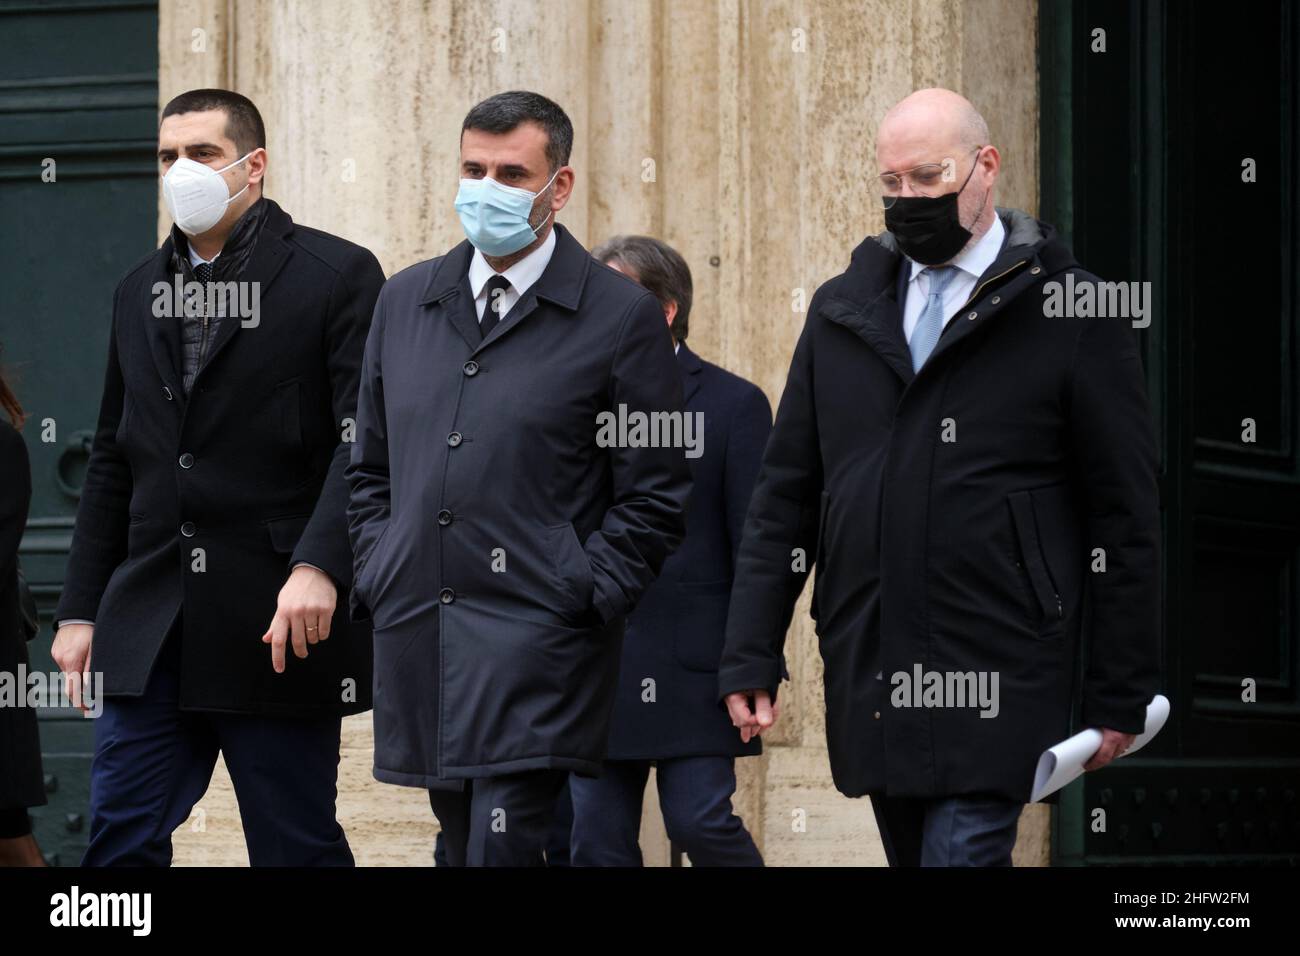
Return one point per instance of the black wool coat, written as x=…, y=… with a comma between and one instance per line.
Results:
x=667, y=702
x=21, y=780
x=499, y=544
x=202, y=503
x=953, y=516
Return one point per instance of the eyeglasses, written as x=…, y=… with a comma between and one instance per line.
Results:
x=927, y=180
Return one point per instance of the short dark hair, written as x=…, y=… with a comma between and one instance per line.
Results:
x=243, y=122
x=657, y=266
x=504, y=112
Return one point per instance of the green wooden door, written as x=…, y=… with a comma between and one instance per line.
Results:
x=78, y=190
x=1147, y=147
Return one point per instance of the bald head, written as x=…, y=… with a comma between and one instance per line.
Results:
x=928, y=126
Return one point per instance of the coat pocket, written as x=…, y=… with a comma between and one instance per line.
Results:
x=1046, y=592
x=286, y=531
x=362, y=579
x=819, y=555
x=572, y=570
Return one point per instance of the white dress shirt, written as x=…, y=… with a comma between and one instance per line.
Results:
x=195, y=258
x=521, y=275
x=970, y=265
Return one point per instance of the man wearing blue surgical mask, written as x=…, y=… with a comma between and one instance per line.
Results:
x=211, y=535
x=502, y=528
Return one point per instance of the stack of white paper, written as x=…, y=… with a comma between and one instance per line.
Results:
x=1064, y=762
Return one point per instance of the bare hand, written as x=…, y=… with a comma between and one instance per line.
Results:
x=71, y=651
x=1113, y=744
x=305, y=609
x=752, y=722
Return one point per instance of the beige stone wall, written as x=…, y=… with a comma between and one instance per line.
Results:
x=741, y=132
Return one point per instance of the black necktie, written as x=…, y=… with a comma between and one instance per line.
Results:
x=202, y=274
x=496, y=287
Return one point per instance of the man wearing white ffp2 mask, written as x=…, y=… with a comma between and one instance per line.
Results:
x=208, y=186
x=220, y=634
x=196, y=195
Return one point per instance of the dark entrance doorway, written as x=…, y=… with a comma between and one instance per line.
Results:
x=78, y=186
x=1148, y=151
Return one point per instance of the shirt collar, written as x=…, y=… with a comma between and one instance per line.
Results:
x=521, y=275
x=195, y=258
x=979, y=256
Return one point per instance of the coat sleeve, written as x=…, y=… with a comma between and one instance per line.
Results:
x=103, y=513
x=650, y=485
x=324, y=542
x=367, y=471
x=1114, y=445
x=779, y=540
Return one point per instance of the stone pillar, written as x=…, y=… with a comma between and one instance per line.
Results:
x=740, y=131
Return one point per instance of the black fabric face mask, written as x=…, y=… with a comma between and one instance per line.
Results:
x=928, y=228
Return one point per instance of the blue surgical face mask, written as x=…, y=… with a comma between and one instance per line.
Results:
x=495, y=217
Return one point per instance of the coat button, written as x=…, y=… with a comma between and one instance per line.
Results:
x=446, y=595
x=454, y=439
x=188, y=529
x=187, y=460
x=167, y=393
x=444, y=517
x=973, y=316
x=471, y=368
x=996, y=299
x=1035, y=270
x=876, y=715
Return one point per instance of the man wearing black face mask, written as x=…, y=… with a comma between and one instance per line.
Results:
x=954, y=512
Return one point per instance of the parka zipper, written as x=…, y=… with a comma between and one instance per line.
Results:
x=980, y=288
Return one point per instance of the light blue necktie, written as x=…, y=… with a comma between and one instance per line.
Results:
x=926, y=334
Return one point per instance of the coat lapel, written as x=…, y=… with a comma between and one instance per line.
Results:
x=463, y=314
x=559, y=284
x=163, y=332
x=448, y=288
x=264, y=264
x=879, y=324
x=980, y=309
x=525, y=307
x=878, y=281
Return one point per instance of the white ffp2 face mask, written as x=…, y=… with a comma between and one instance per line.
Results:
x=196, y=195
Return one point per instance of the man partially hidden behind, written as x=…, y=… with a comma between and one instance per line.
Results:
x=666, y=712
x=502, y=530
x=970, y=476
x=212, y=531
